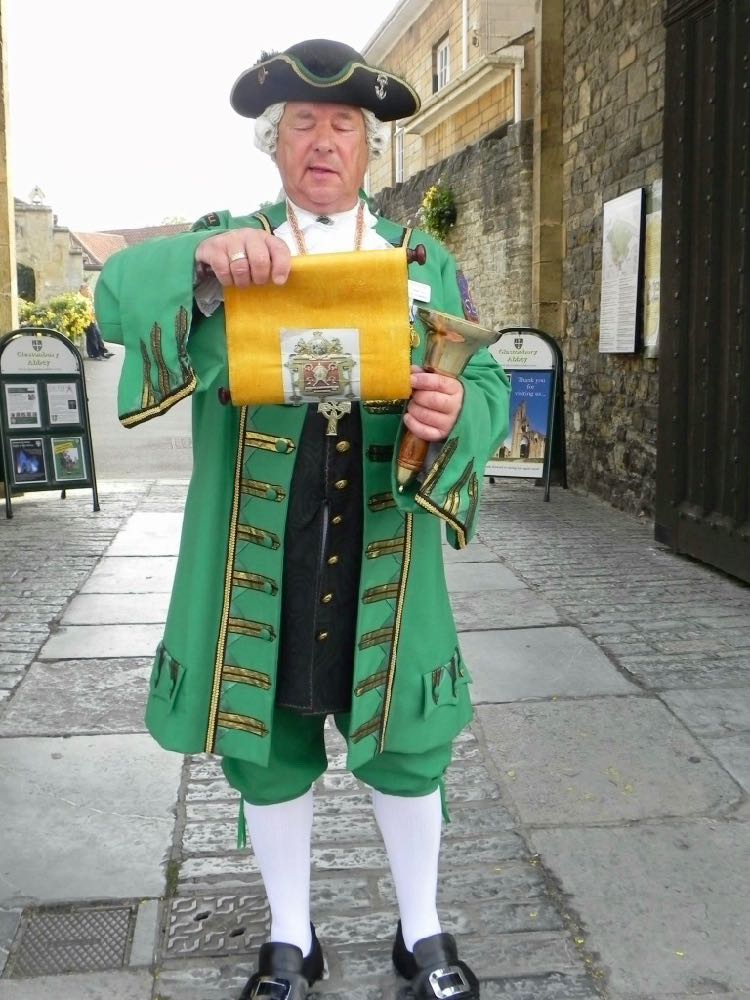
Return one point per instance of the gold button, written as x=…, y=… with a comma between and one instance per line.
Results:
x=343, y=446
x=337, y=519
x=341, y=484
x=327, y=598
x=332, y=560
x=322, y=636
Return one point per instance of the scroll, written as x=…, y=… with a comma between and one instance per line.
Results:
x=337, y=330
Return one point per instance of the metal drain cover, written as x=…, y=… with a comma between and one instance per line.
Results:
x=66, y=939
x=216, y=925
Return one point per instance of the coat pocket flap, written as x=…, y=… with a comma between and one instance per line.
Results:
x=441, y=685
x=166, y=676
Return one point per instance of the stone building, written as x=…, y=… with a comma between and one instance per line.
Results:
x=48, y=263
x=52, y=259
x=530, y=197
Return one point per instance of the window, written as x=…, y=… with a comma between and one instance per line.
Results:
x=441, y=65
x=398, y=154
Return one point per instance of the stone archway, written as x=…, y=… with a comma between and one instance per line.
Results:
x=26, y=282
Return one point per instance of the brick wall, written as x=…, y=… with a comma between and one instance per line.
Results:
x=492, y=183
x=612, y=143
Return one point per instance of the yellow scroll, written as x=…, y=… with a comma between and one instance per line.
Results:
x=338, y=329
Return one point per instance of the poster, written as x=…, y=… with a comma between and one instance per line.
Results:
x=523, y=452
x=652, y=269
x=62, y=402
x=68, y=456
x=621, y=273
x=29, y=466
x=22, y=406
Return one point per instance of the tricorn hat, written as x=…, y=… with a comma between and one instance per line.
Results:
x=323, y=71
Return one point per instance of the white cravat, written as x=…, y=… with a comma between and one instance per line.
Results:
x=334, y=235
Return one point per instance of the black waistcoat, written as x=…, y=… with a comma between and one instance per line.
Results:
x=322, y=560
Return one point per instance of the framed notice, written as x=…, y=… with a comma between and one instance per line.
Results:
x=652, y=275
x=28, y=462
x=62, y=403
x=22, y=405
x=622, y=267
x=69, y=459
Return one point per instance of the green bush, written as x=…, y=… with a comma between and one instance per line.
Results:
x=70, y=313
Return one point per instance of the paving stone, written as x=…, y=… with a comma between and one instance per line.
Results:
x=69, y=697
x=114, y=609
x=545, y=987
x=148, y=534
x=516, y=664
x=481, y=577
x=474, y=552
x=666, y=905
x=132, y=575
x=126, y=985
x=711, y=712
x=688, y=671
x=603, y=765
x=144, y=936
x=734, y=754
x=103, y=806
x=100, y=642
x=501, y=609
x=222, y=979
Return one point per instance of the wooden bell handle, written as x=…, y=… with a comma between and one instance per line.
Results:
x=411, y=456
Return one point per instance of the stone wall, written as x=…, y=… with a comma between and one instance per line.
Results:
x=612, y=143
x=492, y=183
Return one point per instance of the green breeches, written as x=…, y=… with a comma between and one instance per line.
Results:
x=298, y=758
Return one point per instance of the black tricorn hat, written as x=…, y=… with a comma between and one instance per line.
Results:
x=323, y=71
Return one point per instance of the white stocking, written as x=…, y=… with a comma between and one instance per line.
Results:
x=280, y=835
x=411, y=834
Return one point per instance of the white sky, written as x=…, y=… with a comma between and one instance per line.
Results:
x=119, y=109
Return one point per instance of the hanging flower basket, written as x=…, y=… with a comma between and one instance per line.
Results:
x=437, y=213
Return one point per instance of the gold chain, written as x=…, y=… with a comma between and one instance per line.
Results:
x=299, y=237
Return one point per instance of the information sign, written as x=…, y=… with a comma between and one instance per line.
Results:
x=44, y=420
x=533, y=363
x=622, y=269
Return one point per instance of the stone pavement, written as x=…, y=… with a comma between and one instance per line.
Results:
x=600, y=819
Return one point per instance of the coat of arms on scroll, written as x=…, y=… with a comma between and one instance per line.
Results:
x=320, y=364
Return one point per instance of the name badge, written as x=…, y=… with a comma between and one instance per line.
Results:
x=419, y=291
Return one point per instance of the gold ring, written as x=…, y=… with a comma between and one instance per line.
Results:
x=239, y=255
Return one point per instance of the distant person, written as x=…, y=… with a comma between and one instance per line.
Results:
x=96, y=349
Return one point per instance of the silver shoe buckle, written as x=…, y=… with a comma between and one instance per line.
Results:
x=270, y=988
x=442, y=989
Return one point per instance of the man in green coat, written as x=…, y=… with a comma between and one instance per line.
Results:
x=307, y=584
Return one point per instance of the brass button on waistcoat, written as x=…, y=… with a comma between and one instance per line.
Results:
x=341, y=484
x=337, y=519
x=322, y=636
x=327, y=598
x=332, y=560
x=343, y=446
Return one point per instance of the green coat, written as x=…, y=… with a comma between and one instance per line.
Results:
x=212, y=684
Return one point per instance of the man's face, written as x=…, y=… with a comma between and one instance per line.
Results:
x=322, y=155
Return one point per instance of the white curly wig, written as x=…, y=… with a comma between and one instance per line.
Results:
x=267, y=131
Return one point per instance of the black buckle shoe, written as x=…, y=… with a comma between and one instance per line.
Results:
x=434, y=969
x=284, y=973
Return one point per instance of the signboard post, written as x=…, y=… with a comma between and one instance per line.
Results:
x=533, y=363
x=44, y=415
